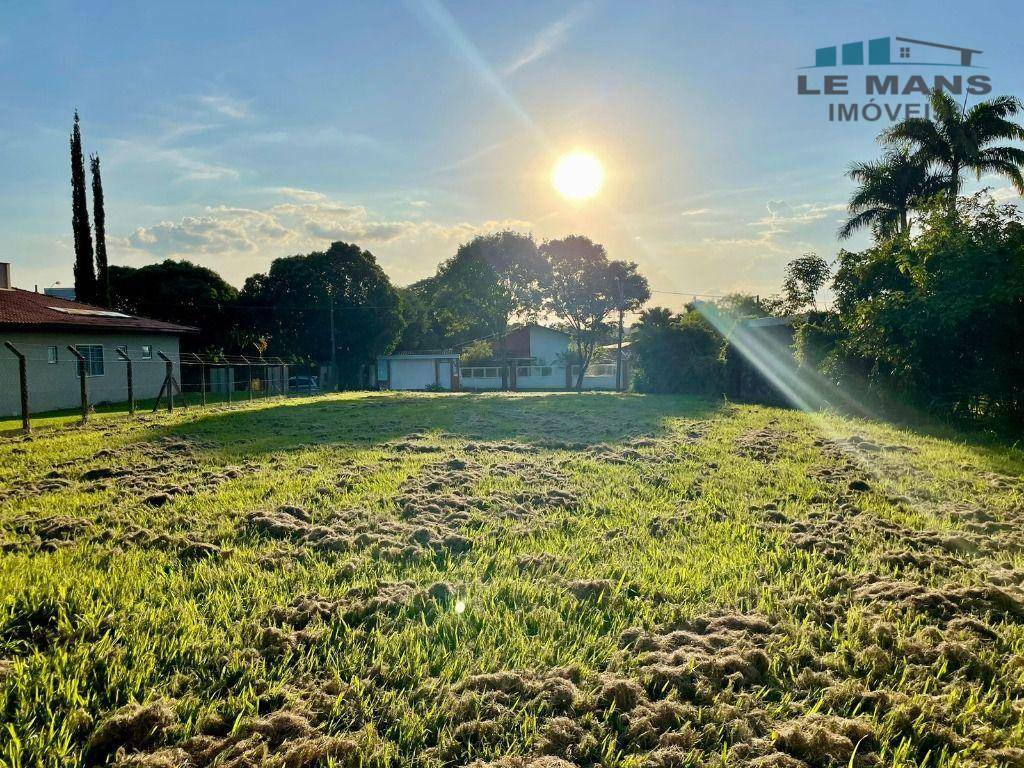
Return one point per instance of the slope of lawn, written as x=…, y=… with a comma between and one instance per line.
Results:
x=534, y=580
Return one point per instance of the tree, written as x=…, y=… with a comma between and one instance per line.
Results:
x=581, y=292
x=805, y=276
x=956, y=140
x=677, y=354
x=85, y=274
x=937, y=320
x=888, y=190
x=180, y=292
x=291, y=306
x=631, y=292
x=741, y=305
x=490, y=280
x=478, y=351
x=99, y=224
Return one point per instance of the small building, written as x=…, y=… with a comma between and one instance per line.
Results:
x=418, y=370
x=42, y=327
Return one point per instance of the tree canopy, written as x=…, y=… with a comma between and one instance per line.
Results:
x=581, y=292
x=179, y=292
x=291, y=307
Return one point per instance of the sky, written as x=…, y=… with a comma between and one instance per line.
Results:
x=231, y=134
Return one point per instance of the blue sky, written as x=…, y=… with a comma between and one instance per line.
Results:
x=231, y=134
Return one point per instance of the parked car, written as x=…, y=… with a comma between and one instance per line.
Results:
x=303, y=385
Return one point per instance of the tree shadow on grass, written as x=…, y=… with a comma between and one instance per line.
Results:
x=541, y=419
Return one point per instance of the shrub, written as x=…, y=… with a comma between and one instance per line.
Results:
x=682, y=355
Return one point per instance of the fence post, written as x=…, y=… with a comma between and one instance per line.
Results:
x=26, y=424
x=131, y=379
x=202, y=380
x=284, y=381
x=248, y=367
x=168, y=380
x=83, y=385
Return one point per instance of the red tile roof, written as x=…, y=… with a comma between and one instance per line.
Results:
x=27, y=311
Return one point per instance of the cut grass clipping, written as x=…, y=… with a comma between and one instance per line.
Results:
x=537, y=580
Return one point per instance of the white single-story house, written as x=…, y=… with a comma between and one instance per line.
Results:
x=42, y=327
x=534, y=359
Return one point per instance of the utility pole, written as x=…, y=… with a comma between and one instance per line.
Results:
x=334, y=347
x=618, y=355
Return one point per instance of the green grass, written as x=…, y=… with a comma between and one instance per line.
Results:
x=538, y=535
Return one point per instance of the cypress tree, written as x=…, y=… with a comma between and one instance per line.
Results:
x=98, y=223
x=85, y=274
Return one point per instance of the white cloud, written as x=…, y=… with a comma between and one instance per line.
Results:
x=188, y=164
x=226, y=106
x=306, y=221
x=695, y=212
x=549, y=39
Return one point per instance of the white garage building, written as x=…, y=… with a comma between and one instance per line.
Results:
x=418, y=370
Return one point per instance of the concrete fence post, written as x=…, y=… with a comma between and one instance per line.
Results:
x=83, y=385
x=131, y=379
x=26, y=424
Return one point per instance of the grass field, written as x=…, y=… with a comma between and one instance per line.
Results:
x=385, y=579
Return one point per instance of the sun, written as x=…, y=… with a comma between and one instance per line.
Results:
x=578, y=175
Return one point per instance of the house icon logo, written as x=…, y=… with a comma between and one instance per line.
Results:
x=895, y=51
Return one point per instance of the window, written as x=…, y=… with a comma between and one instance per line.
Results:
x=147, y=352
x=51, y=355
x=93, y=354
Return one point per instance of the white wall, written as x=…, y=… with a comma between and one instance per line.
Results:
x=419, y=373
x=546, y=345
x=54, y=386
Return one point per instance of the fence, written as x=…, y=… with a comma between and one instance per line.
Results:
x=526, y=377
x=38, y=377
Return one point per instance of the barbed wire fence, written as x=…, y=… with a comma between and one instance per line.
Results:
x=37, y=378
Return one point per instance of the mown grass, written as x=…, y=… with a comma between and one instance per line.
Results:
x=586, y=516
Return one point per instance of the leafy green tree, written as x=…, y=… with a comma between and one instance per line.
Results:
x=741, y=305
x=677, y=354
x=291, y=306
x=805, y=276
x=631, y=292
x=655, y=317
x=581, y=292
x=937, y=321
x=490, y=280
x=85, y=271
x=888, y=190
x=478, y=351
x=99, y=224
x=180, y=292
x=421, y=327
x=956, y=141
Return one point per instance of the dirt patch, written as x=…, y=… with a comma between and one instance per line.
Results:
x=133, y=727
x=432, y=532
x=283, y=739
x=761, y=445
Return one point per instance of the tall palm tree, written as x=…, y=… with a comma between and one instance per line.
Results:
x=955, y=140
x=889, y=189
